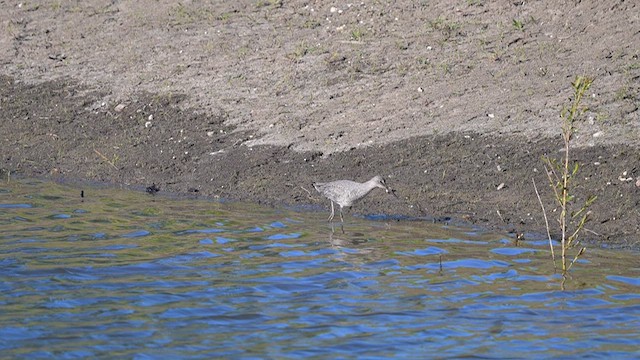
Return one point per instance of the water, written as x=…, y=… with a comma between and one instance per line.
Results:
x=122, y=274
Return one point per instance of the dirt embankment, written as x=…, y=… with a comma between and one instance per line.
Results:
x=254, y=100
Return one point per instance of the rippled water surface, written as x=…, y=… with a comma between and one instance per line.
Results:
x=122, y=274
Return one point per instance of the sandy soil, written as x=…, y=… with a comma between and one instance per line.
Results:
x=255, y=99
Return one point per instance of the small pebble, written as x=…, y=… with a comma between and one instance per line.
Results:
x=624, y=177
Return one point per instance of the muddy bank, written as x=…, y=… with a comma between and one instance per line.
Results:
x=331, y=76
x=49, y=130
x=256, y=99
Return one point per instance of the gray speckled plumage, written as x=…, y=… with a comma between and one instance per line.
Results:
x=346, y=192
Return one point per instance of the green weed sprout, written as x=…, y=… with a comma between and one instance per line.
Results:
x=560, y=175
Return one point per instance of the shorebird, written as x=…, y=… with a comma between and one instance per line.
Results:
x=347, y=192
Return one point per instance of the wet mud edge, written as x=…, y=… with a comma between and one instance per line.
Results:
x=56, y=131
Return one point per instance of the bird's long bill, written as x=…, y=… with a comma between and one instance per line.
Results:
x=391, y=191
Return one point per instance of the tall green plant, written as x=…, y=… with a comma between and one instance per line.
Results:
x=560, y=173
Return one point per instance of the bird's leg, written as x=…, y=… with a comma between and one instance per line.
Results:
x=332, y=213
x=341, y=217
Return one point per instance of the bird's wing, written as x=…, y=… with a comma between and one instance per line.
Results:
x=337, y=190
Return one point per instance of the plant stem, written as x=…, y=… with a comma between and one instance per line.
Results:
x=546, y=222
x=580, y=86
x=560, y=175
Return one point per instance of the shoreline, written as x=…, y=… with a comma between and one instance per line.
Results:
x=482, y=180
x=453, y=104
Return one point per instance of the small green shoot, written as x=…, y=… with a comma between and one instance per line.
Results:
x=518, y=25
x=560, y=175
x=447, y=27
x=357, y=34
x=269, y=3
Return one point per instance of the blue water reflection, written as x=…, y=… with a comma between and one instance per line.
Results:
x=135, y=276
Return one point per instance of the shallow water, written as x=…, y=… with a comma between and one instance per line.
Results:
x=128, y=275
